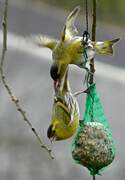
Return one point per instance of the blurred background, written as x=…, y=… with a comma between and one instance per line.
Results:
x=27, y=71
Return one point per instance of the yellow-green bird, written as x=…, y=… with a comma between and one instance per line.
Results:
x=65, y=112
x=72, y=49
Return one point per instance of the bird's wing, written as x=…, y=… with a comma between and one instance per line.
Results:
x=69, y=29
x=44, y=41
x=71, y=104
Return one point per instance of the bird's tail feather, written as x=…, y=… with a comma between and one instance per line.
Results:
x=106, y=47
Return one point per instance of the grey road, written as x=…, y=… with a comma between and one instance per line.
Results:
x=28, y=74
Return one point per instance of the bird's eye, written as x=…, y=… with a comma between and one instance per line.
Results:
x=54, y=72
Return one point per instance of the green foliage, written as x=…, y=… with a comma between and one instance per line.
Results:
x=112, y=11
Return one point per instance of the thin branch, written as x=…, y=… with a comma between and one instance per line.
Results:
x=7, y=87
x=92, y=67
x=93, y=177
x=94, y=21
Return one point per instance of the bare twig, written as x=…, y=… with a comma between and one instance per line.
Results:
x=92, y=68
x=7, y=87
x=94, y=21
x=93, y=177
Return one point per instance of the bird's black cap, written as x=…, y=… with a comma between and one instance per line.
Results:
x=54, y=72
x=50, y=132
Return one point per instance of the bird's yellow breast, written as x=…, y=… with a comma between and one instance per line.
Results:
x=61, y=122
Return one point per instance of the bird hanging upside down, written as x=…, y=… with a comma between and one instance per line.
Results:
x=72, y=49
x=65, y=112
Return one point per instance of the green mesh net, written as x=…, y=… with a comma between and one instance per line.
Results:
x=93, y=146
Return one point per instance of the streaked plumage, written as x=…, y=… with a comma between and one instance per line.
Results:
x=65, y=112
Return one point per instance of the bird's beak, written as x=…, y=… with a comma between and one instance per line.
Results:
x=53, y=139
x=57, y=84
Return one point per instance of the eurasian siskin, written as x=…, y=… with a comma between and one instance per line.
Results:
x=72, y=49
x=65, y=112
